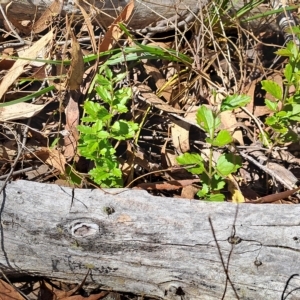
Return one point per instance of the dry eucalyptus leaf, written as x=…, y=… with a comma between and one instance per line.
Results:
x=189, y=192
x=145, y=93
x=72, y=120
x=19, y=111
x=6, y=153
x=47, y=17
x=229, y=122
x=89, y=25
x=160, y=81
x=77, y=65
x=258, y=111
x=8, y=292
x=18, y=67
x=168, y=157
x=51, y=157
x=180, y=135
x=114, y=32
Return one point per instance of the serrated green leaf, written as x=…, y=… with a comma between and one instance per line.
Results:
x=104, y=93
x=293, y=48
x=192, y=159
x=204, y=191
x=106, y=177
x=223, y=138
x=108, y=73
x=288, y=73
x=283, y=114
x=272, y=105
x=120, y=77
x=290, y=136
x=189, y=159
x=215, y=183
x=72, y=177
x=234, y=101
x=218, y=183
x=207, y=120
x=102, y=81
x=278, y=127
x=103, y=135
x=228, y=163
x=272, y=88
x=95, y=140
x=122, y=130
x=91, y=108
x=85, y=129
x=283, y=52
x=121, y=97
x=295, y=114
x=216, y=197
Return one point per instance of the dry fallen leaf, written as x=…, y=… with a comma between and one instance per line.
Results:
x=90, y=297
x=19, y=111
x=189, y=192
x=77, y=65
x=114, y=32
x=258, y=111
x=145, y=93
x=51, y=157
x=128, y=165
x=169, y=185
x=88, y=22
x=160, y=81
x=180, y=131
x=72, y=120
x=276, y=197
x=229, y=122
x=18, y=67
x=7, y=292
x=7, y=153
x=48, y=15
x=236, y=195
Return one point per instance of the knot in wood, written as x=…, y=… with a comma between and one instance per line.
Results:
x=234, y=240
x=83, y=229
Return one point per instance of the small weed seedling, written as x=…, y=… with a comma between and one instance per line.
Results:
x=286, y=107
x=100, y=129
x=213, y=173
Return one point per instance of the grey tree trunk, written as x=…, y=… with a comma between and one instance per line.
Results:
x=131, y=241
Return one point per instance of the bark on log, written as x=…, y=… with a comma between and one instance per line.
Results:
x=145, y=12
x=149, y=245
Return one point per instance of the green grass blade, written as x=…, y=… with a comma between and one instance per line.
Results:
x=29, y=97
x=271, y=12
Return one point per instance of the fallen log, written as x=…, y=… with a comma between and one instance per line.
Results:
x=146, y=13
x=131, y=241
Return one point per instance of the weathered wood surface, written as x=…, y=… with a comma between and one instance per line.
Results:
x=149, y=245
x=145, y=12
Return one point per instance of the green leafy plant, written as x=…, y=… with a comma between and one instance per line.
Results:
x=100, y=129
x=285, y=107
x=213, y=172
